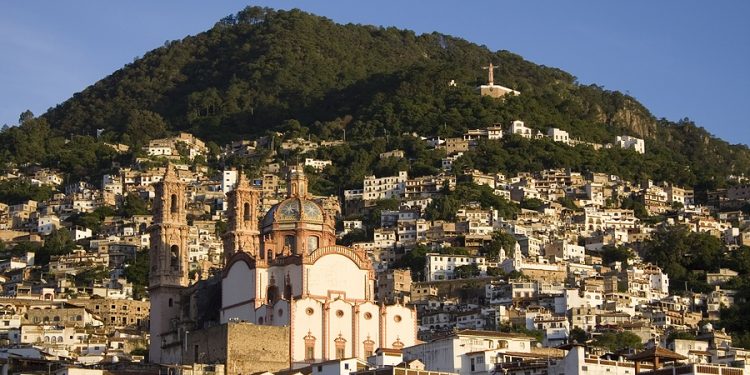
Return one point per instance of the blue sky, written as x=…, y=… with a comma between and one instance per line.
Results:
x=680, y=58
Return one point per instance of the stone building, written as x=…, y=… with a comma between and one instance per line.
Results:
x=117, y=313
x=227, y=343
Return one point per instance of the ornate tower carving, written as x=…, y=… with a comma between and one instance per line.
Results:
x=242, y=233
x=297, y=182
x=168, y=256
x=169, y=234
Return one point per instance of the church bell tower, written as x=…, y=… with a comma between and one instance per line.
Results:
x=168, y=255
x=242, y=234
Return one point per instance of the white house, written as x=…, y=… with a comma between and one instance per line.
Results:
x=455, y=352
x=443, y=266
x=558, y=135
x=519, y=128
x=628, y=142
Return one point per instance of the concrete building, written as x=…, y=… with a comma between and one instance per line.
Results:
x=633, y=143
x=558, y=135
x=454, y=352
x=316, y=164
x=385, y=187
x=443, y=266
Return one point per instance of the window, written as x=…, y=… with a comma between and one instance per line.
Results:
x=340, y=343
x=309, y=353
x=309, y=347
x=312, y=243
x=246, y=211
x=173, y=203
x=174, y=257
x=289, y=244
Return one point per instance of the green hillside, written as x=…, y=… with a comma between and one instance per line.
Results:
x=263, y=70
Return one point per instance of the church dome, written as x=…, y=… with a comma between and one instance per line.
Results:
x=297, y=225
x=293, y=210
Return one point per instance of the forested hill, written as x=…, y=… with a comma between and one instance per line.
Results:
x=262, y=70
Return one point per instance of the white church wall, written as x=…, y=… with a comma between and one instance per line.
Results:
x=340, y=325
x=261, y=314
x=338, y=274
x=400, y=323
x=279, y=314
x=368, y=326
x=237, y=293
x=307, y=320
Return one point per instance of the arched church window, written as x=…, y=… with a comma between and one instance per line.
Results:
x=397, y=344
x=288, y=292
x=289, y=244
x=369, y=346
x=174, y=257
x=272, y=294
x=340, y=344
x=312, y=243
x=309, y=347
x=173, y=203
x=246, y=211
x=170, y=302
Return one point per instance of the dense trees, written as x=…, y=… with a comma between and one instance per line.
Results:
x=59, y=242
x=134, y=205
x=444, y=207
x=261, y=70
x=615, y=341
x=612, y=253
x=502, y=243
x=136, y=272
x=19, y=190
x=679, y=251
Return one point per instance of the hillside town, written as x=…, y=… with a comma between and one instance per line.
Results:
x=554, y=288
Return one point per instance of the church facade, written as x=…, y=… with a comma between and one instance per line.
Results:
x=282, y=270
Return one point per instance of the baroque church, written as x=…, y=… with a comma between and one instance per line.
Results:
x=282, y=270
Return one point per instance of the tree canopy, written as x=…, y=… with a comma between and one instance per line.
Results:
x=264, y=70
